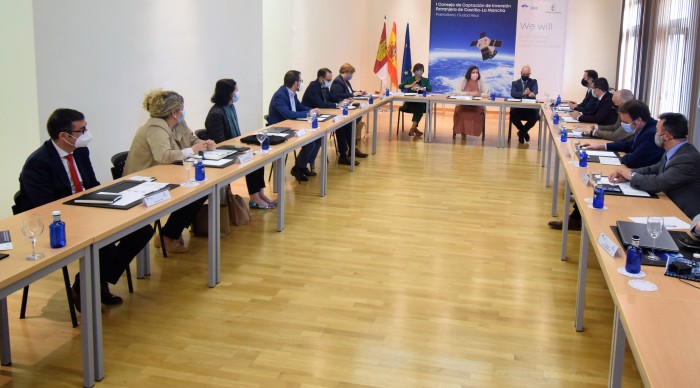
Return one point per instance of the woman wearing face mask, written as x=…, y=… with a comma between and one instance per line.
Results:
x=222, y=124
x=469, y=120
x=165, y=139
x=341, y=90
x=415, y=83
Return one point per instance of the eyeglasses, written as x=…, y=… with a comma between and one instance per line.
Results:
x=81, y=131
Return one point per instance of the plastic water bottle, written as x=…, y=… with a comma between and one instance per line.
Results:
x=558, y=100
x=266, y=143
x=371, y=99
x=57, y=231
x=598, y=197
x=633, y=264
x=555, y=118
x=386, y=93
x=425, y=93
x=564, y=135
x=199, y=168
x=314, y=122
x=345, y=110
x=583, y=160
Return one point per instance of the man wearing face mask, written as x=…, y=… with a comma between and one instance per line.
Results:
x=285, y=105
x=640, y=149
x=61, y=167
x=603, y=114
x=614, y=132
x=677, y=174
x=589, y=102
x=525, y=87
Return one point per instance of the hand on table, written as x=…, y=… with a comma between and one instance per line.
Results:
x=576, y=115
x=620, y=176
x=593, y=147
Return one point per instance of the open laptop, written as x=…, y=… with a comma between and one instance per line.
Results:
x=664, y=242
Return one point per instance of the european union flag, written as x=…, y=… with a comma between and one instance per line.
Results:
x=406, y=65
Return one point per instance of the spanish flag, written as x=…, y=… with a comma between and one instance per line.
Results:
x=380, y=63
x=392, y=58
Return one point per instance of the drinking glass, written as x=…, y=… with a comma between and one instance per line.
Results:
x=32, y=227
x=188, y=163
x=261, y=136
x=655, y=225
x=310, y=118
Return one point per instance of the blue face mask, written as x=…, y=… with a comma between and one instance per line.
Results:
x=236, y=97
x=326, y=84
x=181, y=118
x=627, y=127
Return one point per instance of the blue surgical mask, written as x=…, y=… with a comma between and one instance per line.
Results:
x=627, y=127
x=348, y=77
x=181, y=118
x=326, y=84
x=236, y=97
x=419, y=73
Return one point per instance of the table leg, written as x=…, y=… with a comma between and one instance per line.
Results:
x=352, y=147
x=541, y=134
x=214, y=225
x=275, y=181
x=555, y=189
x=434, y=116
x=582, y=274
x=617, y=353
x=545, y=141
x=324, y=158
x=91, y=308
x=565, y=221
x=142, y=262
x=279, y=178
x=549, y=161
x=6, y=354
x=374, y=132
x=391, y=117
x=427, y=138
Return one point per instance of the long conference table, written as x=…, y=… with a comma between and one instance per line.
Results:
x=89, y=229
x=660, y=326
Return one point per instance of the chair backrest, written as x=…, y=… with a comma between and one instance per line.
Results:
x=15, y=208
x=202, y=134
x=118, y=162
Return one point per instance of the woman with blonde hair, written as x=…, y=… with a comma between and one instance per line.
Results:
x=164, y=139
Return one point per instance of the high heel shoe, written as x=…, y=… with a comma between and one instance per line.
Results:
x=255, y=205
x=299, y=175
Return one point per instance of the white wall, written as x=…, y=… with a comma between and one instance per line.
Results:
x=19, y=124
x=592, y=40
x=101, y=57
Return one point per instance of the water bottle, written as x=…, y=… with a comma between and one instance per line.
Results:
x=345, y=110
x=598, y=197
x=199, y=168
x=386, y=93
x=425, y=93
x=564, y=135
x=583, y=160
x=555, y=118
x=371, y=99
x=633, y=264
x=57, y=231
x=558, y=100
x=493, y=96
x=266, y=143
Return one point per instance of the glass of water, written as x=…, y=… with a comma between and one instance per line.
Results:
x=32, y=227
x=261, y=136
x=655, y=225
x=188, y=163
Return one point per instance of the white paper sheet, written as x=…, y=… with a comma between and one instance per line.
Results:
x=608, y=154
x=609, y=161
x=569, y=119
x=670, y=223
x=628, y=190
x=215, y=162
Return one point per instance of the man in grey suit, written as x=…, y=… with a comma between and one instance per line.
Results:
x=677, y=174
x=615, y=132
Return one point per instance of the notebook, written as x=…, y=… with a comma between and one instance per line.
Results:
x=664, y=242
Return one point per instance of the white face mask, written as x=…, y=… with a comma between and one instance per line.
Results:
x=236, y=97
x=181, y=118
x=326, y=84
x=419, y=73
x=301, y=85
x=82, y=141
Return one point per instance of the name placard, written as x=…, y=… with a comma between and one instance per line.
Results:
x=155, y=198
x=608, y=244
x=300, y=132
x=337, y=118
x=245, y=157
x=585, y=178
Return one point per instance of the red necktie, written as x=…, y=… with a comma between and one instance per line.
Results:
x=74, y=174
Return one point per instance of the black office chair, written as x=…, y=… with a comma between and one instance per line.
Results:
x=202, y=134
x=400, y=118
x=118, y=162
x=66, y=280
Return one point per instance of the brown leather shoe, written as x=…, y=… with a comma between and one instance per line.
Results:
x=558, y=225
x=174, y=246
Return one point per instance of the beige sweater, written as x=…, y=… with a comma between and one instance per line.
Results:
x=155, y=143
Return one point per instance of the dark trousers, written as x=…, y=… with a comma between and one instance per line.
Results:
x=255, y=180
x=517, y=115
x=308, y=153
x=416, y=108
x=344, y=136
x=115, y=257
x=575, y=215
x=181, y=219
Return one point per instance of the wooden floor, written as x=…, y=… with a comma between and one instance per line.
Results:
x=429, y=266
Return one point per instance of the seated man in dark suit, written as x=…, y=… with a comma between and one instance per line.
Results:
x=677, y=174
x=640, y=150
x=318, y=95
x=589, y=102
x=61, y=167
x=525, y=87
x=614, y=132
x=286, y=106
x=603, y=114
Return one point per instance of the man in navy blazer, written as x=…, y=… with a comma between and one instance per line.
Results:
x=525, y=87
x=677, y=173
x=47, y=176
x=286, y=106
x=640, y=150
x=603, y=114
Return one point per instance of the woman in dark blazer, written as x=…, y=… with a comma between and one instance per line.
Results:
x=222, y=124
x=340, y=90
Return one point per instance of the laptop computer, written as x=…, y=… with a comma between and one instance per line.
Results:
x=664, y=242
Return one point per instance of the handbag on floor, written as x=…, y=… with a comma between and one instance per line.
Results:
x=200, y=225
x=237, y=208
